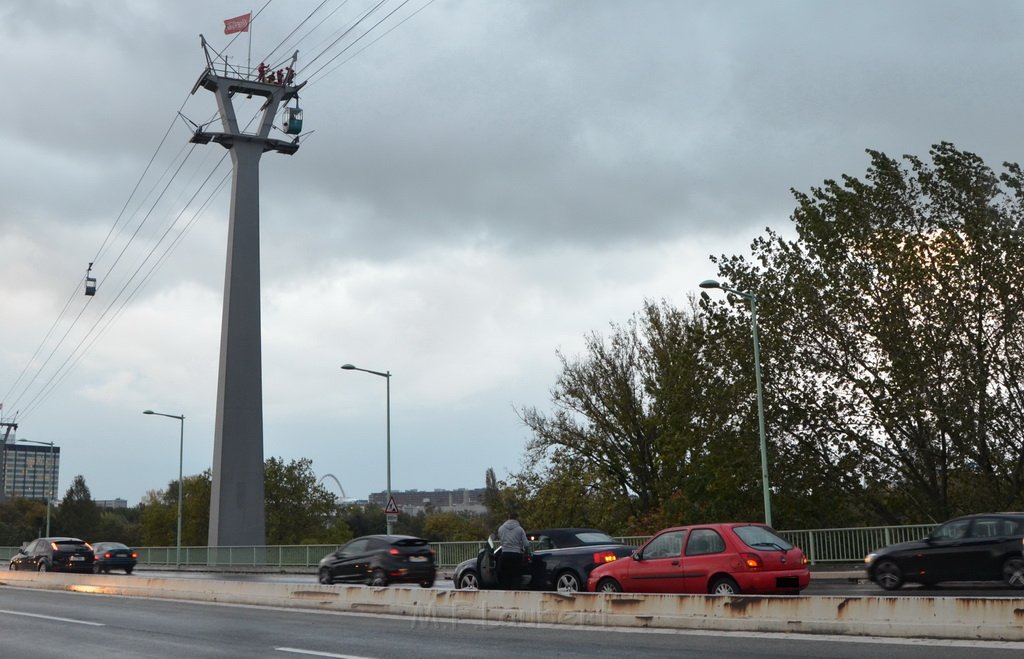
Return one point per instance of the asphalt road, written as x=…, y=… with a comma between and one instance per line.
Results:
x=37, y=624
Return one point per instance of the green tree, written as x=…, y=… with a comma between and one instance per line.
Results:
x=647, y=425
x=21, y=520
x=893, y=330
x=298, y=510
x=454, y=526
x=158, y=521
x=78, y=515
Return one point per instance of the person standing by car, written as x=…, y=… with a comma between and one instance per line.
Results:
x=514, y=546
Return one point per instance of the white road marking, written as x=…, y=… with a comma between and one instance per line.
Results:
x=315, y=653
x=36, y=615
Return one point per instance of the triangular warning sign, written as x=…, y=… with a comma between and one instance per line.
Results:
x=391, y=508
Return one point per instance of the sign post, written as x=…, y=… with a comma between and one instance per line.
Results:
x=391, y=511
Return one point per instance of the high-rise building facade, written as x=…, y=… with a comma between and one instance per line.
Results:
x=29, y=470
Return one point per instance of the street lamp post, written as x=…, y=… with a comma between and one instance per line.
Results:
x=48, y=492
x=711, y=283
x=387, y=376
x=181, y=454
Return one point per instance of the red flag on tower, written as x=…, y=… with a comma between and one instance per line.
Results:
x=237, y=24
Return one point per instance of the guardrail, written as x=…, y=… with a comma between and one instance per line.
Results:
x=848, y=545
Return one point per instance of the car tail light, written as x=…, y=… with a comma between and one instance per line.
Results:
x=106, y=555
x=604, y=557
x=752, y=561
x=394, y=552
x=135, y=555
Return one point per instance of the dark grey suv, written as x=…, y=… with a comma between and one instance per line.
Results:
x=983, y=547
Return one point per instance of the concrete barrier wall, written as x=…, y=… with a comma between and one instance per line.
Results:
x=973, y=618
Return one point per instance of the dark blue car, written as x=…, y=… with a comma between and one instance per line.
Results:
x=114, y=556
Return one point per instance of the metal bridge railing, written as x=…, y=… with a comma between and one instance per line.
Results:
x=844, y=545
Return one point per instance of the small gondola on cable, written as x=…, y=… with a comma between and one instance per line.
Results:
x=90, y=282
x=292, y=123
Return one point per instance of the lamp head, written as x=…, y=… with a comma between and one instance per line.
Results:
x=148, y=412
x=710, y=283
x=348, y=367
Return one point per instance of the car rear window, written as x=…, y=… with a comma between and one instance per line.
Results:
x=595, y=538
x=760, y=537
x=70, y=545
x=410, y=542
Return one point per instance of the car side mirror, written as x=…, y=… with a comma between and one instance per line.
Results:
x=24, y=546
x=635, y=555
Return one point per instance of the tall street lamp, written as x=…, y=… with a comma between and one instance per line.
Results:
x=48, y=491
x=387, y=377
x=181, y=453
x=711, y=283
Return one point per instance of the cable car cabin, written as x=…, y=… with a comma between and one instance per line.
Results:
x=90, y=286
x=293, y=121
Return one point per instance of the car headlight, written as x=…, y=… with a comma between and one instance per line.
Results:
x=870, y=558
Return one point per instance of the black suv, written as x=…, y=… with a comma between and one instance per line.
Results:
x=54, y=554
x=378, y=560
x=982, y=547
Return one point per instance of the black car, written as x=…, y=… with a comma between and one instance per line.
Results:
x=54, y=555
x=983, y=547
x=561, y=560
x=379, y=560
x=114, y=556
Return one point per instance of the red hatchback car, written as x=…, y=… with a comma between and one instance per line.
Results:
x=720, y=559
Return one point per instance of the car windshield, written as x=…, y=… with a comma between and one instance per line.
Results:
x=760, y=537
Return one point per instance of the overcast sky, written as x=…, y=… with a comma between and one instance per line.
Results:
x=480, y=187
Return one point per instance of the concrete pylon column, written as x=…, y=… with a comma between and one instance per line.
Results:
x=236, y=499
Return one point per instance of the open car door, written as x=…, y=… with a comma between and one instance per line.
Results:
x=487, y=565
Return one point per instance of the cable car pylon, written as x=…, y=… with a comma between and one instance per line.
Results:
x=236, y=498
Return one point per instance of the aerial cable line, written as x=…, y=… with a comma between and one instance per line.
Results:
x=280, y=45
x=80, y=353
x=379, y=37
x=346, y=33
x=131, y=195
x=77, y=353
x=74, y=295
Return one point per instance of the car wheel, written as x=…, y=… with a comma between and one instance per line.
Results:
x=608, y=585
x=888, y=575
x=378, y=578
x=128, y=570
x=1013, y=572
x=427, y=584
x=325, y=577
x=724, y=586
x=96, y=569
x=567, y=582
x=468, y=581
x=43, y=567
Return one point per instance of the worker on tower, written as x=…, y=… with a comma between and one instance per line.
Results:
x=261, y=72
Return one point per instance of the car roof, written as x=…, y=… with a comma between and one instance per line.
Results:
x=712, y=525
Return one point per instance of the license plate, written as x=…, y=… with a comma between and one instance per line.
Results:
x=78, y=558
x=417, y=559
